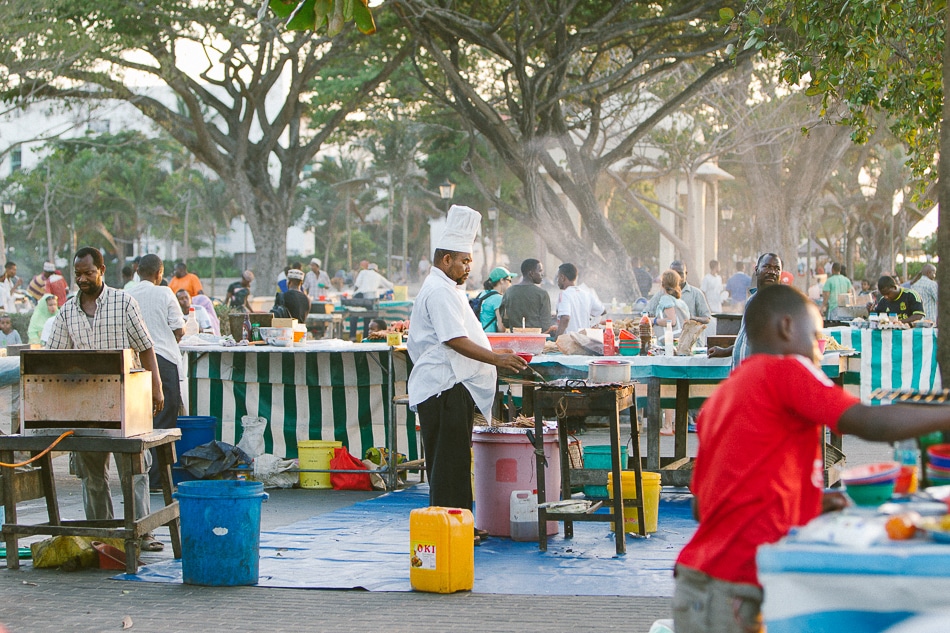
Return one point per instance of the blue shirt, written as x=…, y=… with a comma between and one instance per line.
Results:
x=738, y=287
x=488, y=316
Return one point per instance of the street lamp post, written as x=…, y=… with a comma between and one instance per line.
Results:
x=726, y=214
x=9, y=208
x=446, y=191
x=493, y=218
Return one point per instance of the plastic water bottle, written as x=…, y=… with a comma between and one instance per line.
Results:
x=191, y=323
x=907, y=453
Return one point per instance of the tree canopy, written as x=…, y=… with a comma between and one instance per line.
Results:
x=236, y=89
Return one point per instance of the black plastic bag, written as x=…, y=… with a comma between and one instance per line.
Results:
x=210, y=460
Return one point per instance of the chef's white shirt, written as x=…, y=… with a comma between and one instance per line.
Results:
x=441, y=313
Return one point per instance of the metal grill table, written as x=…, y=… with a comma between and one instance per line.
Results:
x=583, y=401
x=39, y=483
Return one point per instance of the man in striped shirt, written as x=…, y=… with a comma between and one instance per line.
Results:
x=102, y=318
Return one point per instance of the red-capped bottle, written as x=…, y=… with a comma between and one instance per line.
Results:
x=610, y=347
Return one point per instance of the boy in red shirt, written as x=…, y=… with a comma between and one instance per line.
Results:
x=759, y=467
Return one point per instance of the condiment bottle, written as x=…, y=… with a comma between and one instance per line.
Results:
x=646, y=334
x=610, y=349
x=246, y=330
x=191, y=323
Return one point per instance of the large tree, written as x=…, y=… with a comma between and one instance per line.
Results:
x=246, y=86
x=873, y=56
x=560, y=89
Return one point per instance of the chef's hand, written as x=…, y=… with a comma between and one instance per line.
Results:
x=719, y=352
x=510, y=362
x=833, y=501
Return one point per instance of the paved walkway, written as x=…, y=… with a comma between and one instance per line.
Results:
x=34, y=601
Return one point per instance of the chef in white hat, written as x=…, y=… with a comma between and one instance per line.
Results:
x=453, y=364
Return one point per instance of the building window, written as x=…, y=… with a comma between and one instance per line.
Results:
x=98, y=126
x=16, y=160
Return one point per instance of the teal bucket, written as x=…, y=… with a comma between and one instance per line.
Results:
x=195, y=431
x=220, y=531
x=599, y=457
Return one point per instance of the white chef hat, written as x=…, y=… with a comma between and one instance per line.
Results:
x=461, y=227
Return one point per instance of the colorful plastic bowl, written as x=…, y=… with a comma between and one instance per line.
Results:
x=871, y=473
x=870, y=494
x=939, y=455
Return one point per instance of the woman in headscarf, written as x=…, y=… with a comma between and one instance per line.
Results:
x=45, y=310
x=205, y=302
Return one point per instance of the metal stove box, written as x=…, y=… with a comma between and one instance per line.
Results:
x=90, y=392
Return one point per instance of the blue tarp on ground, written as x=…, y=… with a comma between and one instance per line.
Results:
x=366, y=546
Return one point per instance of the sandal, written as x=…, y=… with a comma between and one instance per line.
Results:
x=482, y=534
x=478, y=541
x=149, y=543
x=667, y=432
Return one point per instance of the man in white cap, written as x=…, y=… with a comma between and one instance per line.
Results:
x=317, y=282
x=368, y=283
x=453, y=364
x=37, y=286
x=296, y=302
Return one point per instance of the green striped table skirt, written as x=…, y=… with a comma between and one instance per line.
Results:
x=893, y=359
x=304, y=395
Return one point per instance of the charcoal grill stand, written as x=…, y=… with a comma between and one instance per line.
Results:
x=39, y=483
x=606, y=401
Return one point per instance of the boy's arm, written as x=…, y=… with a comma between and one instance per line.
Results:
x=893, y=422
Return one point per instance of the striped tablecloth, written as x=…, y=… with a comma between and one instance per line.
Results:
x=822, y=587
x=340, y=393
x=893, y=359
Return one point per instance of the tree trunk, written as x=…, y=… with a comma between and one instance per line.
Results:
x=943, y=219
x=268, y=218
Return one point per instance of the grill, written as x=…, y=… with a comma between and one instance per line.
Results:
x=899, y=396
x=89, y=392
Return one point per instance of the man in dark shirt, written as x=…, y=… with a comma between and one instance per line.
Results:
x=903, y=302
x=239, y=292
x=525, y=304
x=294, y=300
x=644, y=278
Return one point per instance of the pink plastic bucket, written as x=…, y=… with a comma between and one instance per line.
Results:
x=504, y=462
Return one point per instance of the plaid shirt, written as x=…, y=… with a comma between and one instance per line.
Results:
x=118, y=324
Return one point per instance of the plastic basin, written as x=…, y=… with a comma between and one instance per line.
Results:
x=870, y=494
x=517, y=342
x=939, y=455
x=871, y=473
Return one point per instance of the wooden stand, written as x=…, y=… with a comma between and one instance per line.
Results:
x=39, y=483
x=586, y=401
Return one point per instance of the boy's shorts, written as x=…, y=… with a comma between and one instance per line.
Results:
x=704, y=604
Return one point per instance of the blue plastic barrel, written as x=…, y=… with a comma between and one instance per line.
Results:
x=220, y=531
x=195, y=431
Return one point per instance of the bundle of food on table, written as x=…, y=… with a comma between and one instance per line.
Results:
x=400, y=327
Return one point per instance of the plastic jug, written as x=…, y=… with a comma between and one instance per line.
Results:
x=442, y=549
x=524, y=515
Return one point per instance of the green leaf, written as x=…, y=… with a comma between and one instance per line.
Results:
x=363, y=18
x=726, y=14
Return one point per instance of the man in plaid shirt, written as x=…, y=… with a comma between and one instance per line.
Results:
x=100, y=318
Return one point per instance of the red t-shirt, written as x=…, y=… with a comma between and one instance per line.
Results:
x=758, y=471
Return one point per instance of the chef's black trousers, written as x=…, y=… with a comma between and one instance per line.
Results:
x=445, y=422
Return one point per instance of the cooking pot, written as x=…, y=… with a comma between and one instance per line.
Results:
x=606, y=371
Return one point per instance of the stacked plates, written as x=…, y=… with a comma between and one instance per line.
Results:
x=939, y=469
x=872, y=484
